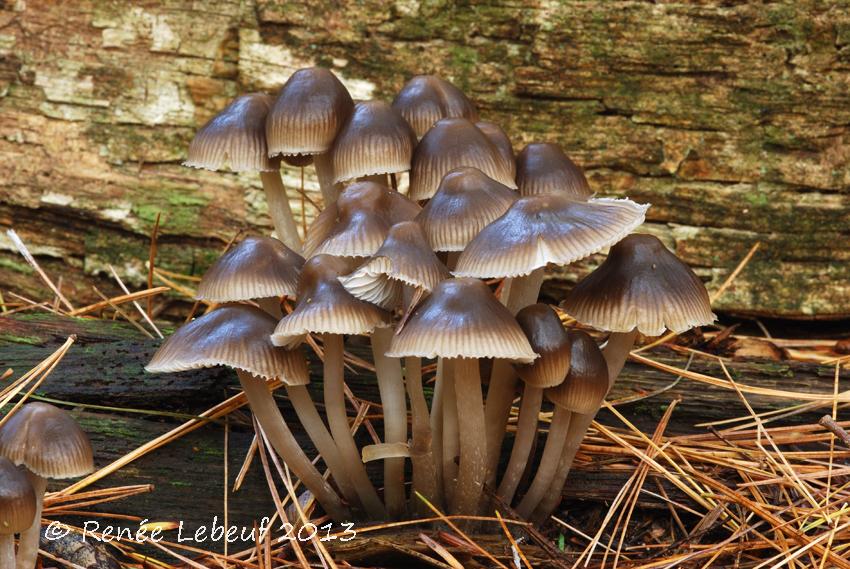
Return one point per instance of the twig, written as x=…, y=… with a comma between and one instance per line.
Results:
x=31, y=260
x=829, y=423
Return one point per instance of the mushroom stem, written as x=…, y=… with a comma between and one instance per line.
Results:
x=529, y=411
x=28, y=543
x=473, y=443
x=271, y=305
x=616, y=352
x=281, y=438
x=7, y=550
x=421, y=453
x=279, y=210
x=391, y=388
x=549, y=462
x=325, y=174
x=450, y=430
x=334, y=385
x=436, y=423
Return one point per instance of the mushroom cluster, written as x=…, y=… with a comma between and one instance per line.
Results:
x=414, y=271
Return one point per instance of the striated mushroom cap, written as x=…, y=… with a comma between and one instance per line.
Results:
x=425, y=99
x=17, y=499
x=548, y=338
x=586, y=385
x=543, y=168
x=500, y=140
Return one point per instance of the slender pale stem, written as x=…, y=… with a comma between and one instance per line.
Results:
x=436, y=422
x=391, y=387
x=325, y=174
x=451, y=443
x=28, y=543
x=473, y=442
x=341, y=430
x=7, y=550
x=549, y=462
x=529, y=411
x=616, y=352
x=421, y=453
x=279, y=210
x=271, y=305
x=281, y=438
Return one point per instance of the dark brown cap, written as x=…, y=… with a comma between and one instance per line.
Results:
x=425, y=99
x=450, y=144
x=500, y=140
x=236, y=336
x=358, y=222
x=643, y=286
x=466, y=202
x=405, y=258
x=258, y=267
x=586, y=384
x=325, y=307
x=17, y=499
x=549, y=338
x=462, y=319
x=543, y=168
x=375, y=140
x=308, y=113
x=235, y=136
x=551, y=228
x=48, y=441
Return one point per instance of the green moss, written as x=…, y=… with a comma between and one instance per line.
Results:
x=13, y=339
x=15, y=266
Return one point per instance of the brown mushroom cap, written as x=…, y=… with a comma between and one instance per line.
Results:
x=586, y=384
x=308, y=113
x=357, y=224
x=466, y=202
x=236, y=336
x=405, y=258
x=375, y=140
x=236, y=135
x=258, y=267
x=17, y=499
x=462, y=319
x=543, y=168
x=643, y=286
x=450, y=144
x=48, y=441
x=425, y=99
x=551, y=228
x=325, y=307
x=500, y=140
x=549, y=338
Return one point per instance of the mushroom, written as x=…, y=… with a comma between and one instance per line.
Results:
x=501, y=141
x=17, y=509
x=543, y=168
x=49, y=444
x=461, y=321
x=425, y=99
x=238, y=135
x=325, y=307
x=306, y=117
x=237, y=336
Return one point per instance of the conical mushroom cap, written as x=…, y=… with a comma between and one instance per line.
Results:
x=425, y=99
x=48, y=441
x=466, y=202
x=450, y=144
x=308, y=113
x=235, y=336
x=543, y=168
x=462, y=319
x=325, y=307
x=17, y=499
x=357, y=224
x=643, y=286
x=236, y=135
x=405, y=258
x=258, y=267
x=586, y=384
x=546, y=229
x=500, y=140
x=375, y=140
x=548, y=338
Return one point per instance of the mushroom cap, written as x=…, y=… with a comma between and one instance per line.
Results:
x=358, y=222
x=462, y=319
x=641, y=285
x=298, y=160
x=500, y=140
x=17, y=499
x=450, y=144
x=325, y=307
x=48, y=441
x=405, y=258
x=465, y=203
x=550, y=339
x=543, y=168
x=551, y=228
x=425, y=99
x=375, y=140
x=236, y=336
x=257, y=267
x=308, y=113
x=236, y=135
x=586, y=384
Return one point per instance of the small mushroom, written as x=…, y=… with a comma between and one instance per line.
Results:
x=500, y=140
x=543, y=168
x=17, y=509
x=425, y=99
